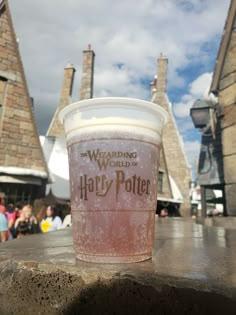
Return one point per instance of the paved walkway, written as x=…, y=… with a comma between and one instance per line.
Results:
x=186, y=256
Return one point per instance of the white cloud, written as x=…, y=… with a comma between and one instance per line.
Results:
x=129, y=32
x=200, y=86
x=197, y=89
x=185, y=125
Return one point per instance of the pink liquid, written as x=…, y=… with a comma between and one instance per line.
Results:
x=113, y=197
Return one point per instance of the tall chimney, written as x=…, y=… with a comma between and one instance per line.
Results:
x=56, y=129
x=67, y=85
x=86, y=89
x=161, y=82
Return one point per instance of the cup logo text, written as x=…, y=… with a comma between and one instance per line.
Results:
x=101, y=184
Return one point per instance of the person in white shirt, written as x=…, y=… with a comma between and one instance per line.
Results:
x=51, y=222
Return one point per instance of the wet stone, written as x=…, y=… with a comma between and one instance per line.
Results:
x=193, y=271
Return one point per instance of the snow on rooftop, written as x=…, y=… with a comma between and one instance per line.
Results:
x=12, y=170
x=55, y=153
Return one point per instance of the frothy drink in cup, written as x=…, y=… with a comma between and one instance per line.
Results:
x=113, y=149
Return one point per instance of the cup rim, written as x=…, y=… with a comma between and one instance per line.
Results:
x=106, y=101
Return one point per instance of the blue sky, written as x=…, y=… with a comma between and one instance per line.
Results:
x=127, y=37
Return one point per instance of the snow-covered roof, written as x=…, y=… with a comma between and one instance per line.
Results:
x=13, y=170
x=16, y=179
x=60, y=187
x=55, y=153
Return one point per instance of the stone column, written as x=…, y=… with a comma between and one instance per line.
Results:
x=86, y=89
x=67, y=85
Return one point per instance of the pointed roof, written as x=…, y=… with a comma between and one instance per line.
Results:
x=174, y=160
x=230, y=25
x=20, y=149
x=56, y=128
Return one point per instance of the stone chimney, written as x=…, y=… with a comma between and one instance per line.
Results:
x=161, y=81
x=56, y=129
x=67, y=85
x=86, y=89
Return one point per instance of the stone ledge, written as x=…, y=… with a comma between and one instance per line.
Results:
x=192, y=272
x=223, y=222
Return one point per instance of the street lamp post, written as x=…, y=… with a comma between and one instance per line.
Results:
x=205, y=116
x=200, y=113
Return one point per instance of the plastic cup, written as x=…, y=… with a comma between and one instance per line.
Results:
x=113, y=149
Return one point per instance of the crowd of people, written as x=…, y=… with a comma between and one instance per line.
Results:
x=19, y=220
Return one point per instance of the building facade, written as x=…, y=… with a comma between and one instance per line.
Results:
x=224, y=87
x=23, y=170
x=171, y=195
x=25, y=167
